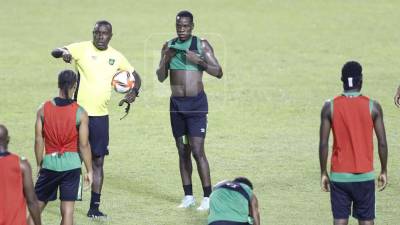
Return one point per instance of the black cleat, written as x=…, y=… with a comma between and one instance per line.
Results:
x=96, y=214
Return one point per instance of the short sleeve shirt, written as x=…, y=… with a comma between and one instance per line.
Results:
x=96, y=69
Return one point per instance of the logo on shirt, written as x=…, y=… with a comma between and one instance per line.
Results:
x=111, y=61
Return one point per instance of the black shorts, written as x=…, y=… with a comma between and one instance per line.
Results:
x=69, y=183
x=189, y=115
x=227, y=223
x=98, y=135
x=359, y=194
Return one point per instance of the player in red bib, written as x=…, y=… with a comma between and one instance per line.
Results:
x=16, y=186
x=61, y=141
x=352, y=118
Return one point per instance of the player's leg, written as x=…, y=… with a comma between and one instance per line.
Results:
x=196, y=122
x=99, y=139
x=98, y=173
x=185, y=169
x=197, y=147
x=45, y=189
x=185, y=163
x=364, y=202
x=178, y=126
x=341, y=202
x=67, y=212
x=42, y=205
x=69, y=193
x=98, y=178
x=197, y=132
x=340, y=221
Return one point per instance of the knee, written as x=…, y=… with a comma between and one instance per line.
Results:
x=198, y=153
x=67, y=212
x=184, y=152
x=97, y=163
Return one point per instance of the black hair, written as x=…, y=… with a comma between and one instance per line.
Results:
x=4, y=138
x=244, y=180
x=351, y=75
x=104, y=23
x=66, y=80
x=185, y=13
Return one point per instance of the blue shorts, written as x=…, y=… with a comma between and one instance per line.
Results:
x=98, y=135
x=360, y=194
x=227, y=223
x=189, y=115
x=68, y=181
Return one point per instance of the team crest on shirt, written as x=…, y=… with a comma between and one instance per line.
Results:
x=111, y=61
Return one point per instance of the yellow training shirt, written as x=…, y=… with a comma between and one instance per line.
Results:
x=96, y=69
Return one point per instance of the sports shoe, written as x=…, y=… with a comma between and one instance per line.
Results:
x=205, y=204
x=96, y=214
x=187, y=201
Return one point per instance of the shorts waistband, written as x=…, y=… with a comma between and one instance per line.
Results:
x=199, y=95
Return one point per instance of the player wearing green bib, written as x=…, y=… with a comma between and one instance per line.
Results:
x=184, y=59
x=233, y=203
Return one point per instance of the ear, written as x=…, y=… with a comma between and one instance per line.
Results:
x=7, y=140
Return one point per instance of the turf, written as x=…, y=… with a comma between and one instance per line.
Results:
x=281, y=60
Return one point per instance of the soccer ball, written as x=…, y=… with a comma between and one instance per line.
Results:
x=123, y=81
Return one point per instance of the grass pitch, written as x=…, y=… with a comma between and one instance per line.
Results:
x=281, y=60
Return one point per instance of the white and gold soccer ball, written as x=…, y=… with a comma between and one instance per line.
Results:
x=123, y=81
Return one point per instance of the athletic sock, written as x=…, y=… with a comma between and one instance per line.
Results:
x=188, y=189
x=207, y=191
x=95, y=201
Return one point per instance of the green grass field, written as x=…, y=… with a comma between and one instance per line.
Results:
x=281, y=60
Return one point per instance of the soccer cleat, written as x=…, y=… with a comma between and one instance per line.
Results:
x=205, y=204
x=96, y=214
x=187, y=201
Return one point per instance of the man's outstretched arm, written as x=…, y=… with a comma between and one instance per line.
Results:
x=62, y=52
x=324, y=131
x=379, y=126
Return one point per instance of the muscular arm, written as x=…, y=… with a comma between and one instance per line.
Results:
x=210, y=62
x=39, y=141
x=84, y=147
x=162, y=71
x=29, y=193
x=377, y=116
x=254, y=210
x=324, y=131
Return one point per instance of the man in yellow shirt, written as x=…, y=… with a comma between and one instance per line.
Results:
x=96, y=62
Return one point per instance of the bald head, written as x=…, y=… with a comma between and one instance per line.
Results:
x=4, y=138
